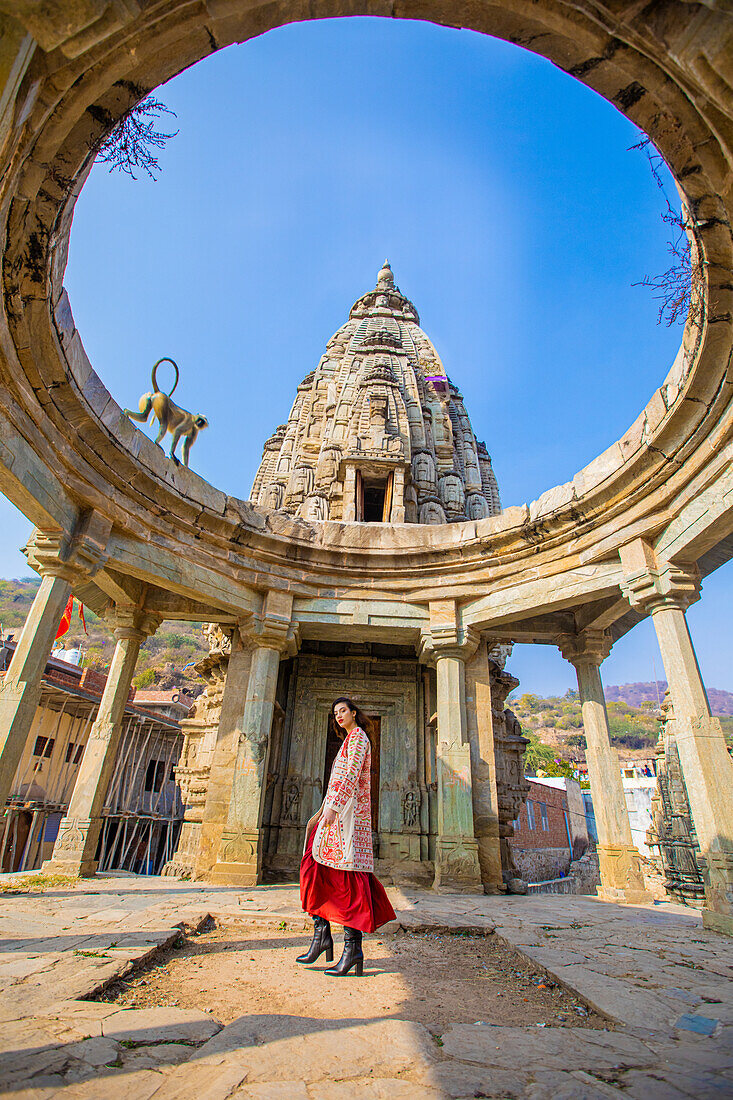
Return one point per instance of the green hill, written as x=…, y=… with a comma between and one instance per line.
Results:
x=163, y=657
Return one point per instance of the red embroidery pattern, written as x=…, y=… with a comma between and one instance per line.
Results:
x=347, y=843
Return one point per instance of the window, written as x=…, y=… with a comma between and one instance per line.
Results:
x=543, y=815
x=154, y=775
x=44, y=746
x=74, y=753
x=530, y=815
x=373, y=499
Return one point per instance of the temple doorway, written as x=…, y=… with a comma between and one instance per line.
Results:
x=333, y=744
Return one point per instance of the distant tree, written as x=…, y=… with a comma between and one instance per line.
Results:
x=144, y=679
x=129, y=146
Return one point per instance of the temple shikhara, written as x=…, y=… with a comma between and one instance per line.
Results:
x=378, y=432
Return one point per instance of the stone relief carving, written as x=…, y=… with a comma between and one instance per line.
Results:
x=431, y=512
x=452, y=494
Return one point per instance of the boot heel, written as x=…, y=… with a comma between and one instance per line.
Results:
x=360, y=968
x=329, y=954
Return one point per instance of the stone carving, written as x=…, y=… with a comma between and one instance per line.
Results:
x=369, y=398
x=431, y=512
x=316, y=507
x=672, y=831
x=452, y=495
x=476, y=506
x=510, y=746
x=423, y=472
x=411, y=809
x=274, y=495
x=290, y=813
x=301, y=483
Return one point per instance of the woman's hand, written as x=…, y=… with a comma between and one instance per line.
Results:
x=329, y=816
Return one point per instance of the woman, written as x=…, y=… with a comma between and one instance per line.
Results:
x=336, y=880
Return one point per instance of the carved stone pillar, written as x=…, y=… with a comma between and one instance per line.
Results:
x=199, y=743
x=449, y=644
x=672, y=830
x=61, y=563
x=241, y=849
x=512, y=786
x=665, y=591
x=74, y=852
x=483, y=769
x=622, y=878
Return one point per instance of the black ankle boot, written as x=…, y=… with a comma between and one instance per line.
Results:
x=322, y=941
x=352, y=956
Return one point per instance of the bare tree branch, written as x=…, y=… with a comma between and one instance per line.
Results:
x=680, y=289
x=129, y=146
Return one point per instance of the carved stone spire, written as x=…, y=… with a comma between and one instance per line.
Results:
x=378, y=432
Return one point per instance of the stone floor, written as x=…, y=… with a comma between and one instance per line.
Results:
x=652, y=970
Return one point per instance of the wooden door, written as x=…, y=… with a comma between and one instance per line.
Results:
x=333, y=744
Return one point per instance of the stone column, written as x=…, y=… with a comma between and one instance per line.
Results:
x=457, y=867
x=21, y=689
x=666, y=591
x=483, y=769
x=75, y=850
x=61, y=561
x=224, y=755
x=622, y=878
x=241, y=850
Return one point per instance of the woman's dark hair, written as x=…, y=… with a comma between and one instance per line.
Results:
x=361, y=718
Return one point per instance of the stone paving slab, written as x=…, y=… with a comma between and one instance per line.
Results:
x=645, y=967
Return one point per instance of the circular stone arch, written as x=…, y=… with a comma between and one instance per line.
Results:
x=66, y=449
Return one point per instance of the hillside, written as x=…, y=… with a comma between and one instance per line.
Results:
x=721, y=702
x=163, y=658
x=554, y=726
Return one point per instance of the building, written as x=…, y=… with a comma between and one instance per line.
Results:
x=171, y=703
x=142, y=809
x=542, y=845
x=377, y=434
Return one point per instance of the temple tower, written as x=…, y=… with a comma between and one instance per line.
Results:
x=378, y=432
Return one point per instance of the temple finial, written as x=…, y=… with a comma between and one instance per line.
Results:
x=385, y=278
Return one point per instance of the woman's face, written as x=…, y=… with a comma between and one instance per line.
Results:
x=343, y=716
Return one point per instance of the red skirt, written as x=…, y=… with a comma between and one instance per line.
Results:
x=355, y=899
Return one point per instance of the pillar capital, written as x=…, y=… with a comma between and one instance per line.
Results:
x=662, y=586
x=588, y=647
x=446, y=635
x=651, y=583
x=131, y=622
x=74, y=557
x=272, y=627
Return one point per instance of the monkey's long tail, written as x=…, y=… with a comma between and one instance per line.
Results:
x=153, y=377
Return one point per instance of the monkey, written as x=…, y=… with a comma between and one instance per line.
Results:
x=171, y=417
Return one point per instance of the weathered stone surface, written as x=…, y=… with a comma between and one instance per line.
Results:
x=557, y=1048
x=269, y=1046
x=95, y=1051
x=281, y=1090
x=373, y=1088
x=157, y=1025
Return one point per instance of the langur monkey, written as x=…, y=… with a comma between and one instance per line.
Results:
x=171, y=417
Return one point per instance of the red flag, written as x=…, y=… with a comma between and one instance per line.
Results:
x=65, y=618
x=81, y=616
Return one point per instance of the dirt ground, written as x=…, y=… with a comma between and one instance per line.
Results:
x=431, y=978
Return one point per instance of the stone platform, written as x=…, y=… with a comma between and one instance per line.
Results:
x=665, y=982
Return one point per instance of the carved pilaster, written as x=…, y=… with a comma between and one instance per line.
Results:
x=665, y=590
x=622, y=878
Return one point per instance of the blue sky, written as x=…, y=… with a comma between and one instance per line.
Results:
x=501, y=190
